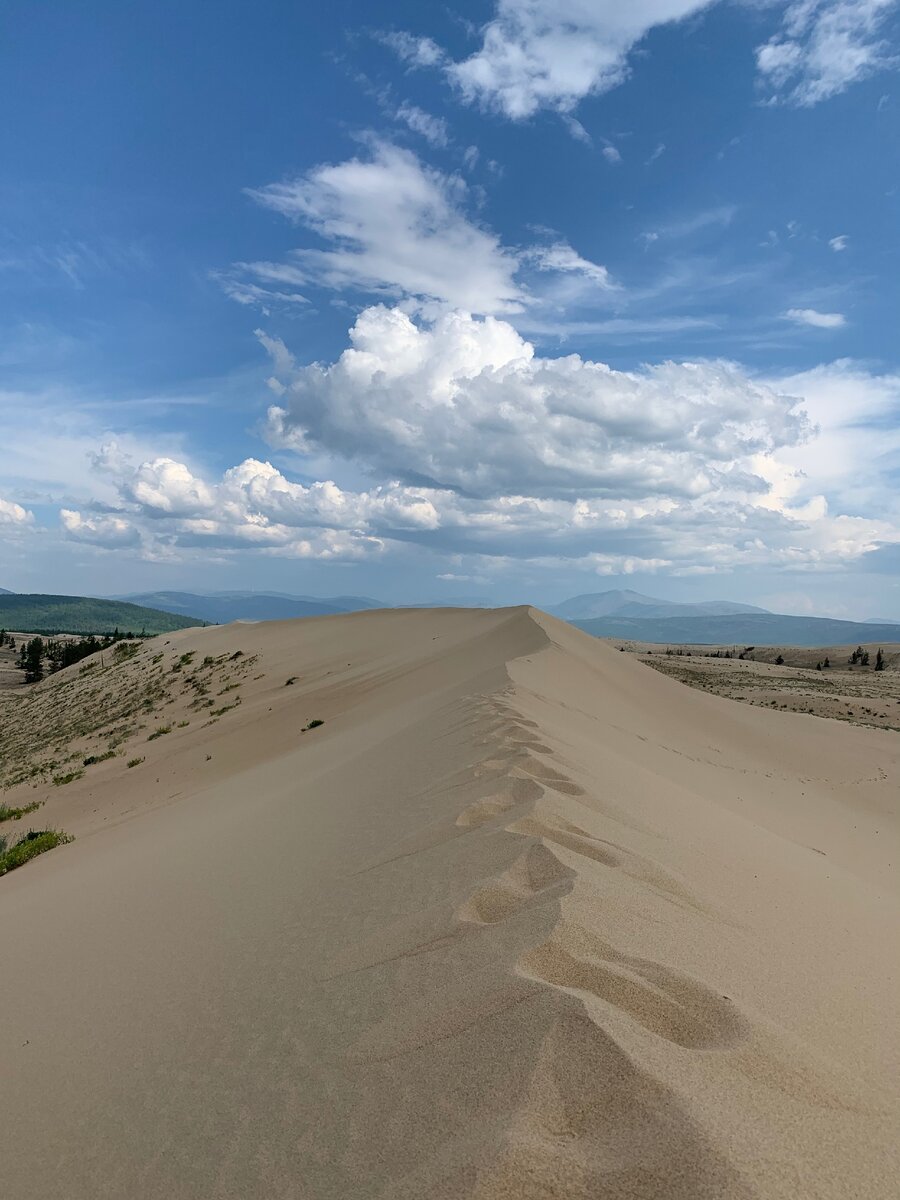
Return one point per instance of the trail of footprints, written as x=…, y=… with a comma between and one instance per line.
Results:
x=574, y=959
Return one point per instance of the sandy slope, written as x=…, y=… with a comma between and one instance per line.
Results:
x=523, y=919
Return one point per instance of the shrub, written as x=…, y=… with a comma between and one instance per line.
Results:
x=288, y=682
x=161, y=731
x=135, y=762
x=13, y=814
x=312, y=725
x=62, y=780
x=34, y=842
x=98, y=758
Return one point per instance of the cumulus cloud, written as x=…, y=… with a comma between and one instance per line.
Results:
x=486, y=454
x=110, y=532
x=838, y=243
x=14, y=515
x=552, y=53
x=395, y=226
x=466, y=404
x=824, y=46
x=611, y=154
x=816, y=319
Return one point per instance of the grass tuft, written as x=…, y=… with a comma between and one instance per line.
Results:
x=98, y=758
x=34, y=842
x=8, y=813
x=69, y=777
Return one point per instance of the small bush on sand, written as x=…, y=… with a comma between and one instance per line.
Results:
x=158, y=733
x=13, y=814
x=70, y=777
x=98, y=758
x=312, y=725
x=34, y=842
x=134, y=762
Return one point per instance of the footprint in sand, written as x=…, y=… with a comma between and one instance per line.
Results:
x=535, y=877
x=672, y=1005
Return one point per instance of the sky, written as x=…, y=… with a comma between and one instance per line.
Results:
x=514, y=299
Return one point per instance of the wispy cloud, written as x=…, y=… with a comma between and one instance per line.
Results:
x=432, y=129
x=824, y=47
x=816, y=319
x=838, y=243
x=394, y=225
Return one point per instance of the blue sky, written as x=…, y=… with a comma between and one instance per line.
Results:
x=514, y=299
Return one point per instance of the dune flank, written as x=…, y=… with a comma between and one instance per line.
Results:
x=523, y=919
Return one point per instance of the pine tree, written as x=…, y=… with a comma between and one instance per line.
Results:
x=32, y=660
x=879, y=661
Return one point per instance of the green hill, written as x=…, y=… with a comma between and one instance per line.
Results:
x=83, y=614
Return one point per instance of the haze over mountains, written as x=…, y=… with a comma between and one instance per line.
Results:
x=619, y=613
x=615, y=613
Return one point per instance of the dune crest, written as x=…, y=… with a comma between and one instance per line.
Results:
x=523, y=919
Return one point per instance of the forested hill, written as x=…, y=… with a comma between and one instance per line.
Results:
x=84, y=614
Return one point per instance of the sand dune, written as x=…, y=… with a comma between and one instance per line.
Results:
x=523, y=919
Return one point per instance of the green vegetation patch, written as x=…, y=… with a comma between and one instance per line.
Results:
x=98, y=758
x=8, y=813
x=34, y=842
x=69, y=777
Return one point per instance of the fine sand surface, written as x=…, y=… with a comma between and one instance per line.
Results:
x=523, y=919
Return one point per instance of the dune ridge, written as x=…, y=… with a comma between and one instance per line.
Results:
x=522, y=919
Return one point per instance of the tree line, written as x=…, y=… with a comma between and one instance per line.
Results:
x=39, y=656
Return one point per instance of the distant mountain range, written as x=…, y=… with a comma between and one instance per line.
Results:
x=746, y=629
x=222, y=607
x=633, y=604
x=617, y=613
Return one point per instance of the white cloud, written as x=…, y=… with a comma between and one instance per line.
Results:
x=552, y=53
x=415, y=51
x=166, y=487
x=824, y=47
x=659, y=150
x=12, y=514
x=396, y=226
x=487, y=454
x=838, y=243
x=816, y=319
x=611, y=154
x=562, y=258
x=110, y=532
x=577, y=130
x=466, y=404
x=432, y=129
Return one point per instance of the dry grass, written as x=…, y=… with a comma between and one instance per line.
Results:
x=858, y=695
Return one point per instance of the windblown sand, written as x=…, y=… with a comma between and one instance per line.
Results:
x=523, y=919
